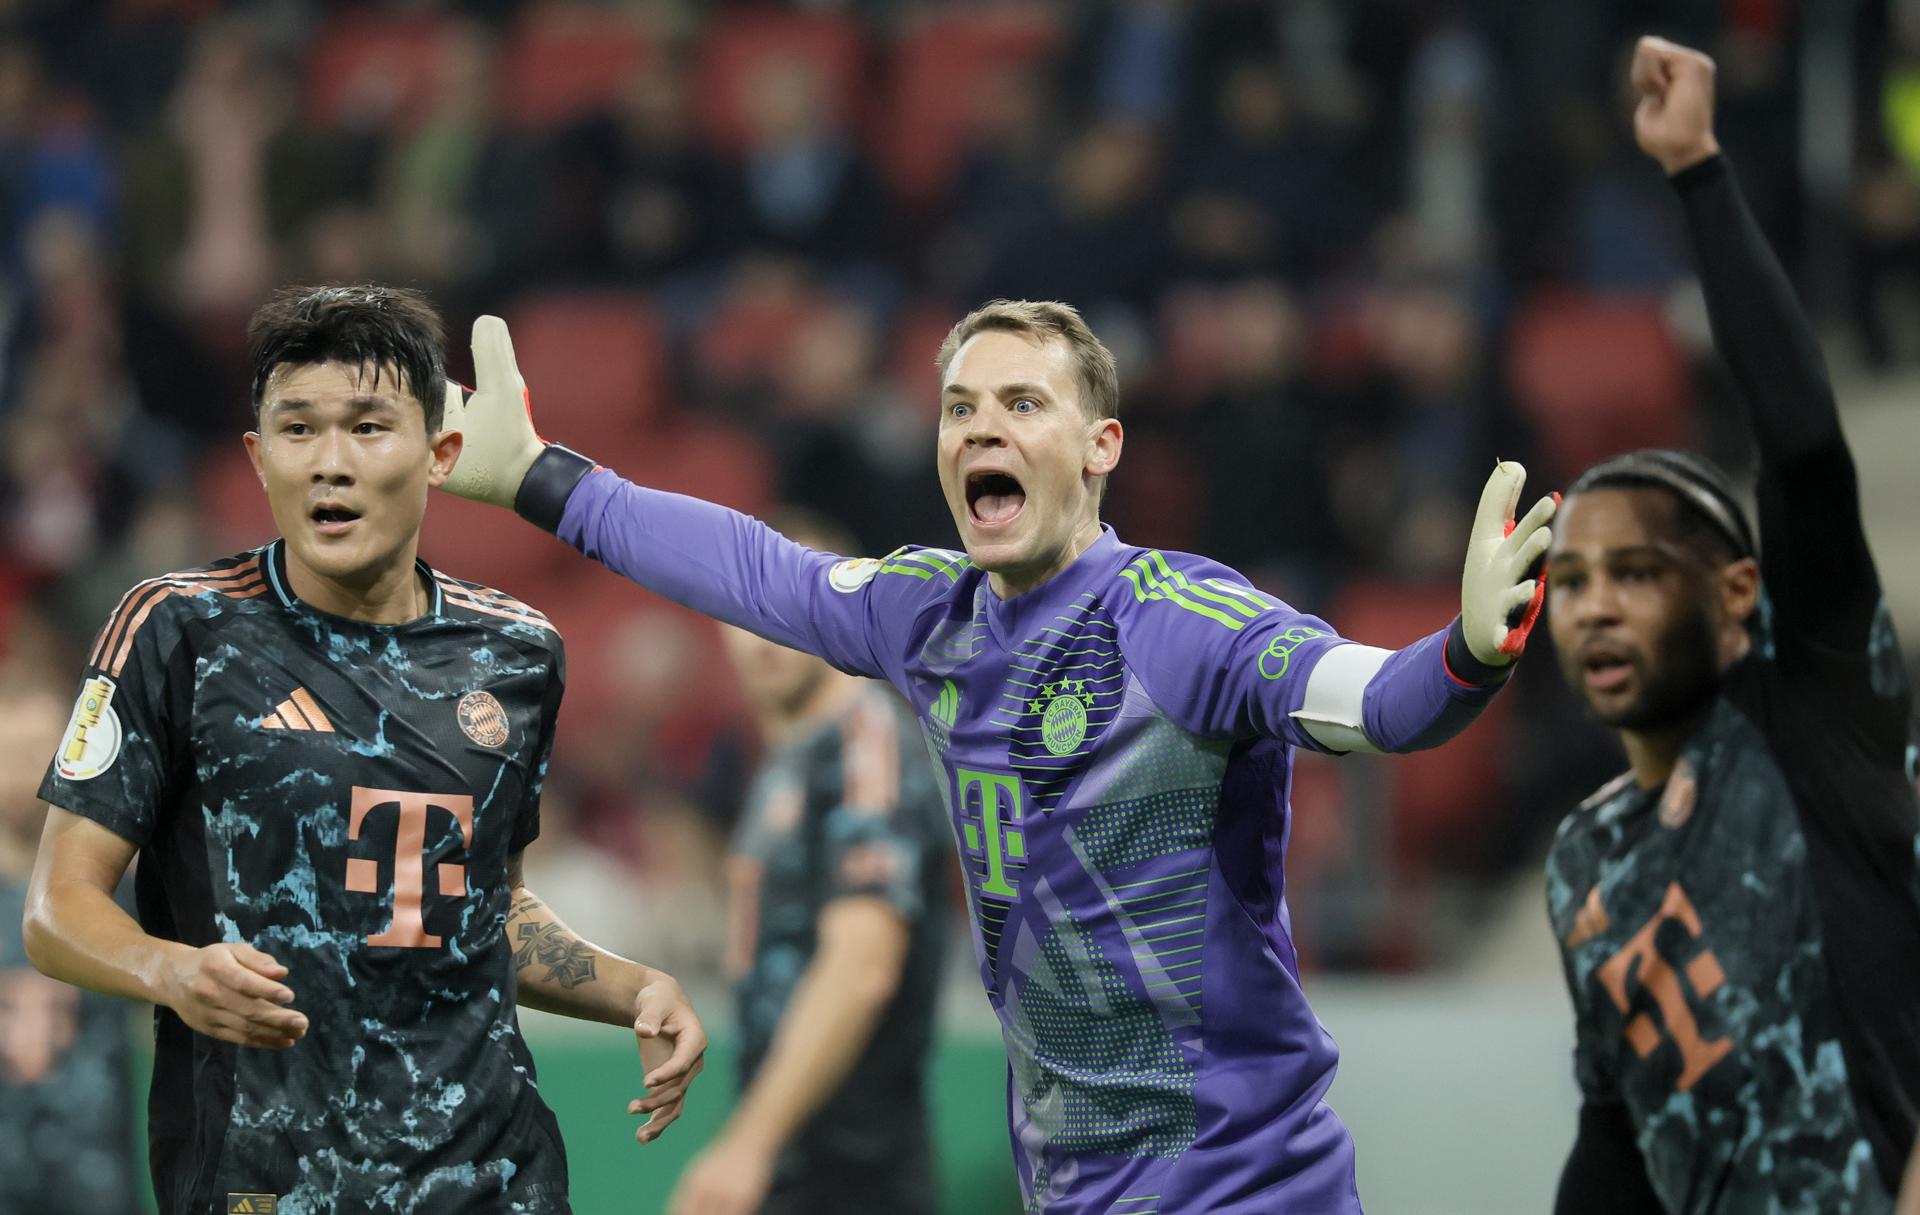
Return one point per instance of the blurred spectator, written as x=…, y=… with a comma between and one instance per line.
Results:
x=66, y=1056
x=803, y=188
x=661, y=200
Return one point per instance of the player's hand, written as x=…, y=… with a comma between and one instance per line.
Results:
x=1674, y=118
x=730, y=1176
x=1497, y=583
x=673, y=1049
x=495, y=420
x=233, y=992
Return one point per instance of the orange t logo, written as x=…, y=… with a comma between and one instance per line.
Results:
x=1656, y=976
x=408, y=929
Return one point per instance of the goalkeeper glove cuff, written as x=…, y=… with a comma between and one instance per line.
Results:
x=542, y=497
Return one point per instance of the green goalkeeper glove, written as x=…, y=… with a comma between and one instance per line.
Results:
x=1499, y=598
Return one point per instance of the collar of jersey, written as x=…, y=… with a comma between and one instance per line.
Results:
x=276, y=563
x=1013, y=620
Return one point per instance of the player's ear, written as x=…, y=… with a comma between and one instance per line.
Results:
x=1104, y=440
x=252, y=441
x=1739, y=589
x=447, y=446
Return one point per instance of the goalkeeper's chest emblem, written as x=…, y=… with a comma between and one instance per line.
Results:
x=1062, y=706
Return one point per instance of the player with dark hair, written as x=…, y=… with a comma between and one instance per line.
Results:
x=837, y=879
x=1740, y=912
x=329, y=757
x=1112, y=730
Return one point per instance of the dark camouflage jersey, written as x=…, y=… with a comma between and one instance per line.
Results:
x=849, y=809
x=344, y=796
x=66, y=1078
x=1743, y=944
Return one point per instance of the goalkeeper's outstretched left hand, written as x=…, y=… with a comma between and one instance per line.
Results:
x=495, y=420
x=1499, y=599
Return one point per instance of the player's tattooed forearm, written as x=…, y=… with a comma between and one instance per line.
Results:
x=568, y=959
x=524, y=904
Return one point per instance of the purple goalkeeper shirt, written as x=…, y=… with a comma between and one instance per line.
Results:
x=1115, y=751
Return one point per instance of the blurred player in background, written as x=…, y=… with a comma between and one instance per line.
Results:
x=837, y=911
x=330, y=757
x=66, y=1055
x=1112, y=729
x=1740, y=912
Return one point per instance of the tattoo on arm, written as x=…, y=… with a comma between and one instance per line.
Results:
x=538, y=937
x=568, y=960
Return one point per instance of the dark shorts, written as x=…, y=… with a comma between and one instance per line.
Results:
x=815, y=1183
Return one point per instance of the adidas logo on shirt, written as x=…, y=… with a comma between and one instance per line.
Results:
x=297, y=712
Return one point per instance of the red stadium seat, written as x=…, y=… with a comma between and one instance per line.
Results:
x=567, y=61
x=917, y=334
x=232, y=505
x=374, y=69
x=742, y=44
x=596, y=362
x=484, y=544
x=752, y=329
x=706, y=459
x=1435, y=796
x=940, y=69
x=638, y=668
x=1598, y=375
x=1193, y=339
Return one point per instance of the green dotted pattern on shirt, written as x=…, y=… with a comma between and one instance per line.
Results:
x=1163, y=758
x=1099, y=1075
x=1121, y=834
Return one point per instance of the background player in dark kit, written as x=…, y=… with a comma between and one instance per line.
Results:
x=66, y=1056
x=330, y=757
x=1740, y=913
x=837, y=879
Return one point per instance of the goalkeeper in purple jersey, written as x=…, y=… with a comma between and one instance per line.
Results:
x=1112, y=731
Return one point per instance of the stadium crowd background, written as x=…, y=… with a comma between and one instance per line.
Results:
x=1347, y=251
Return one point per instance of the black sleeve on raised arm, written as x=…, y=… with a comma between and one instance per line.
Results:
x=1818, y=570
x=1605, y=1174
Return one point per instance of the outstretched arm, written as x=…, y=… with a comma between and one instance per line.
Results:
x=1818, y=568
x=714, y=560
x=1243, y=665
x=561, y=973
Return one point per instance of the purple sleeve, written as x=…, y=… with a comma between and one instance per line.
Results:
x=1224, y=660
x=737, y=569
x=1416, y=701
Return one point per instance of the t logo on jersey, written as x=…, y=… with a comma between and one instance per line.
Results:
x=409, y=929
x=1639, y=963
x=996, y=836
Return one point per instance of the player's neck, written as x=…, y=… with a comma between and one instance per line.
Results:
x=1008, y=583
x=393, y=596
x=826, y=700
x=1653, y=753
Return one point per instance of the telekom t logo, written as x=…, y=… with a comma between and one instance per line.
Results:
x=408, y=930
x=997, y=833
x=1704, y=975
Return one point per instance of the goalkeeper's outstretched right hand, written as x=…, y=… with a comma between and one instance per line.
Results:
x=495, y=419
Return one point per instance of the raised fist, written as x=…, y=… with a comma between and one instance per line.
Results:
x=1673, y=121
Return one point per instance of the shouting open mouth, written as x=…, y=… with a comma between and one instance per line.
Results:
x=994, y=499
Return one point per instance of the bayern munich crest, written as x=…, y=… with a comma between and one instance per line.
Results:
x=483, y=719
